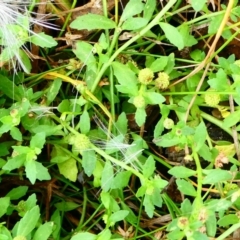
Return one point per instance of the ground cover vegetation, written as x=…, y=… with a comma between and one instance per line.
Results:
x=119, y=119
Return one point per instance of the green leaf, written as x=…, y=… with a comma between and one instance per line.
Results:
x=149, y=8
x=186, y=188
x=200, y=136
x=105, y=235
x=211, y=225
x=4, y=203
x=148, y=206
x=69, y=169
x=92, y=21
x=121, y=124
x=89, y=160
x=228, y=220
x=43, y=40
x=134, y=23
x=220, y=83
x=28, y=222
x=216, y=176
x=10, y=89
x=84, y=52
x=16, y=134
x=125, y=77
x=24, y=61
x=53, y=91
x=121, y=180
x=44, y=231
x=173, y=35
x=198, y=4
x=232, y=119
x=38, y=141
x=85, y=236
x=15, y=162
x=85, y=122
x=31, y=170
x=107, y=176
x=188, y=39
x=215, y=23
x=154, y=98
x=149, y=167
x=57, y=219
x=42, y=172
x=132, y=8
x=181, y=172
x=140, y=116
x=66, y=206
x=17, y=192
x=159, y=64
x=118, y=216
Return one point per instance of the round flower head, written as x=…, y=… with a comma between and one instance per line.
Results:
x=162, y=82
x=145, y=76
x=168, y=123
x=82, y=142
x=139, y=102
x=212, y=98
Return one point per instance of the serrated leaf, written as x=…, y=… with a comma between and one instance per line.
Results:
x=69, y=169
x=121, y=180
x=228, y=220
x=148, y=206
x=154, y=98
x=28, y=222
x=188, y=39
x=173, y=35
x=107, y=176
x=122, y=124
x=186, y=187
x=17, y=192
x=44, y=231
x=42, y=172
x=43, y=40
x=14, y=163
x=92, y=21
x=132, y=8
x=89, y=160
x=118, y=216
x=38, y=140
x=215, y=23
x=159, y=64
x=216, y=176
x=149, y=167
x=181, y=172
x=134, y=23
x=140, y=116
x=220, y=83
x=124, y=75
x=85, y=122
x=53, y=91
x=4, y=203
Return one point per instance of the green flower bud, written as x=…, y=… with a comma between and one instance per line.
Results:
x=212, y=98
x=182, y=222
x=139, y=102
x=145, y=76
x=168, y=123
x=82, y=142
x=162, y=82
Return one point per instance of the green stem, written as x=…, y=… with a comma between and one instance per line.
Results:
x=117, y=162
x=132, y=40
x=229, y=231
